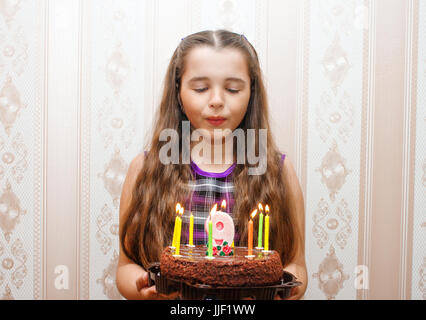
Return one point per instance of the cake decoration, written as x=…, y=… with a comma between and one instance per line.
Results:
x=266, y=229
x=250, y=235
x=178, y=224
x=178, y=230
x=222, y=231
x=260, y=230
x=230, y=271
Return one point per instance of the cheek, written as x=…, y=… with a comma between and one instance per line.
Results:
x=238, y=114
x=192, y=106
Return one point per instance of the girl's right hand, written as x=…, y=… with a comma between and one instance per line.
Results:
x=150, y=293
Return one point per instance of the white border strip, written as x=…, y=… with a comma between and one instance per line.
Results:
x=406, y=151
x=369, y=139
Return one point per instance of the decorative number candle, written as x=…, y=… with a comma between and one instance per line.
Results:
x=178, y=206
x=222, y=231
x=250, y=234
x=267, y=228
x=260, y=231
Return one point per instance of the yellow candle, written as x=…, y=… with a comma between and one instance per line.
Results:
x=260, y=230
x=178, y=232
x=267, y=228
x=191, y=230
x=178, y=206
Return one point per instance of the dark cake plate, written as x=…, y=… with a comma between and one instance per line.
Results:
x=190, y=291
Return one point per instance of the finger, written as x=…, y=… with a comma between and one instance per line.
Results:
x=293, y=294
x=142, y=282
x=170, y=296
x=149, y=293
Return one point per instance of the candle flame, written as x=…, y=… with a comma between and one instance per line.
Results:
x=267, y=209
x=213, y=211
x=260, y=207
x=253, y=214
x=181, y=211
x=223, y=205
x=178, y=206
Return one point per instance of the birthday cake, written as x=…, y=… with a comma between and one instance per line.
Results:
x=231, y=271
x=218, y=263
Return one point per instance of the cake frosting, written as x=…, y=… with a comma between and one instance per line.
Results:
x=191, y=265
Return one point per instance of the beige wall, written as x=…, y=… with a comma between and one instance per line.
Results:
x=79, y=81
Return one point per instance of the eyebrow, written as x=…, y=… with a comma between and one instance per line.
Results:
x=195, y=79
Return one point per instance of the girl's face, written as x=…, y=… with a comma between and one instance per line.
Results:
x=215, y=88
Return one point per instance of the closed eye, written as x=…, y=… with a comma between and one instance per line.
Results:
x=233, y=90
x=204, y=89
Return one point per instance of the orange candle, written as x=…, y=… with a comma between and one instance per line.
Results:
x=250, y=233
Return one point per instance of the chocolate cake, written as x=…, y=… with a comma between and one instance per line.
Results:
x=230, y=271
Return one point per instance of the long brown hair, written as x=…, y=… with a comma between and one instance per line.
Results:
x=148, y=221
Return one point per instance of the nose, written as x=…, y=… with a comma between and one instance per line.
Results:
x=216, y=100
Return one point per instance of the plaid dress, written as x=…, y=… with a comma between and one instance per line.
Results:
x=209, y=188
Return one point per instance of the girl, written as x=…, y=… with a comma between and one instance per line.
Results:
x=213, y=81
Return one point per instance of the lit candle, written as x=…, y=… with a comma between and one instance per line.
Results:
x=210, y=239
x=260, y=231
x=191, y=230
x=250, y=233
x=178, y=232
x=210, y=245
x=267, y=228
x=223, y=205
x=178, y=206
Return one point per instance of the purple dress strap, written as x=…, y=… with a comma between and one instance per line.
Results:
x=201, y=172
x=282, y=159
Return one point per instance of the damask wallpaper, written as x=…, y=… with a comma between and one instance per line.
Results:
x=80, y=82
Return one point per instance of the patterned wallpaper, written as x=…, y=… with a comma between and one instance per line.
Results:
x=80, y=81
x=21, y=182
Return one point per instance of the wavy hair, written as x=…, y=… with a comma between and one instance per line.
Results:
x=147, y=223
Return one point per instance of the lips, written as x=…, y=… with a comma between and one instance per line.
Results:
x=216, y=121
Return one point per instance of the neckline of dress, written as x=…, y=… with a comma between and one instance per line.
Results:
x=204, y=173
